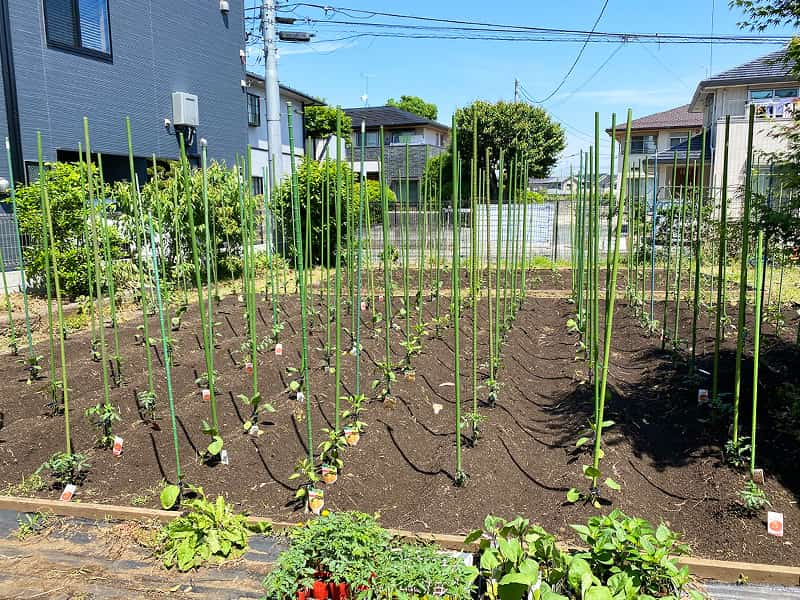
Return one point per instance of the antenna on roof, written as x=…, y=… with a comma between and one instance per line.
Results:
x=365, y=96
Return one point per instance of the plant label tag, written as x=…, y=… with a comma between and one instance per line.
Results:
x=68, y=493
x=117, y=449
x=254, y=430
x=301, y=396
x=775, y=523
x=702, y=396
x=205, y=394
x=363, y=306
x=223, y=457
x=278, y=349
x=248, y=368
x=316, y=500
x=758, y=476
x=240, y=298
x=380, y=297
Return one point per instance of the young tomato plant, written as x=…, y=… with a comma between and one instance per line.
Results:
x=307, y=472
x=66, y=468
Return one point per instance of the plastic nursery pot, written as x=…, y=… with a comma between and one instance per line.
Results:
x=302, y=594
x=316, y=500
x=339, y=591
x=320, y=590
x=329, y=474
x=351, y=436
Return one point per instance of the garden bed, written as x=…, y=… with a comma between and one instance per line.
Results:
x=665, y=451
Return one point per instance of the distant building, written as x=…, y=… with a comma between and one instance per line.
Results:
x=401, y=130
x=257, y=127
x=564, y=186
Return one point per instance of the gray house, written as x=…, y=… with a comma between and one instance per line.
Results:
x=174, y=67
x=423, y=137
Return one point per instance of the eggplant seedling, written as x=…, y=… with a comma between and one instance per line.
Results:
x=175, y=321
x=202, y=379
x=214, y=448
x=305, y=470
x=257, y=405
x=66, y=468
x=33, y=367
x=102, y=417
x=147, y=405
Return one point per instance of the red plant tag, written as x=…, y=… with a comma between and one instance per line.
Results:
x=278, y=349
x=68, y=493
x=206, y=394
x=117, y=449
x=775, y=523
x=363, y=306
x=248, y=368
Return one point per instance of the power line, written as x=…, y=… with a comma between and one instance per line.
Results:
x=577, y=58
x=593, y=75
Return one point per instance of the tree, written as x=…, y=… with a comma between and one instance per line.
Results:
x=320, y=121
x=782, y=222
x=415, y=105
x=527, y=133
x=317, y=180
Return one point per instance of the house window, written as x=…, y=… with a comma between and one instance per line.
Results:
x=677, y=140
x=643, y=144
x=372, y=139
x=253, y=110
x=775, y=103
x=80, y=26
x=258, y=185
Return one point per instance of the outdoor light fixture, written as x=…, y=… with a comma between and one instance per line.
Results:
x=224, y=7
x=4, y=185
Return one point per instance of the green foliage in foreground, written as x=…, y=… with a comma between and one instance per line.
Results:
x=351, y=547
x=626, y=559
x=209, y=533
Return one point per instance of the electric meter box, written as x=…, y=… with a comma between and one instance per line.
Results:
x=184, y=109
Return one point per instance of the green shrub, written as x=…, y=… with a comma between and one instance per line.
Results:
x=66, y=468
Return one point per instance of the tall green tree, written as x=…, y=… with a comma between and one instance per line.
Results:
x=320, y=121
x=415, y=105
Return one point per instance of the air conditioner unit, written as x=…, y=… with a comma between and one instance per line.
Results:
x=184, y=110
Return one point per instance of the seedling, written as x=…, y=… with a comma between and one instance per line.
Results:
x=31, y=525
x=473, y=422
x=175, y=321
x=65, y=468
x=305, y=470
x=102, y=417
x=753, y=498
x=737, y=453
x=214, y=448
x=330, y=450
x=33, y=367
x=256, y=404
x=202, y=380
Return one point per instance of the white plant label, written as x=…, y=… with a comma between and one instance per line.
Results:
x=775, y=523
x=254, y=430
x=301, y=396
x=206, y=394
x=117, y=449
x=437, y=408
x=248, y=368
x=702, y=396
x=278, y=349
x=68, y=493
x=223, y=457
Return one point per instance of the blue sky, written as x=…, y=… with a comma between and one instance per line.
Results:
x=452, y=73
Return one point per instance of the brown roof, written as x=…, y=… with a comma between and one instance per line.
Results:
x=674, y=118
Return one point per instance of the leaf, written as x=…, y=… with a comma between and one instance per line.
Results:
x=662, y=533
x=473, y=537
x=582, y=441
x=169, y=496
x=612, y=484
x=590, y=472
x=215, y=447
x=573, y=496
x=598, y=593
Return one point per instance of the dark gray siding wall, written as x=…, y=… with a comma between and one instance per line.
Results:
x=159, y=47
x=3, y=132
x=394, y=160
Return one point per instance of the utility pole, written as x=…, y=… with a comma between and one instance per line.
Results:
x=516, y=90
x=269, y=35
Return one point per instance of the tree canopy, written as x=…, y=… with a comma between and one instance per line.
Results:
x=415, y=105
x=320, y=121
x=526, y=132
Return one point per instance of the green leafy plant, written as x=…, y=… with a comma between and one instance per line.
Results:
x=210, y=532
x=175, y=320
x=32, y=524
x=737, y=452
x=147, y=405
x=33, y=367
x=307, y=471
x=202, y=379
x=214, y=447
x=353, y=414
x=66, y=468
x=753, y=498
x=330, y=449
x=257, y=404
x=102, y=417
x=473, y=420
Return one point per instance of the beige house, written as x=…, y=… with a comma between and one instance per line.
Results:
x=765, y=83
